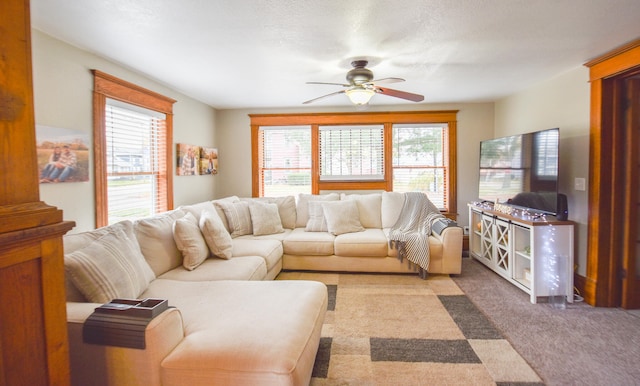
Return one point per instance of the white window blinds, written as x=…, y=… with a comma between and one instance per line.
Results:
x=285, y=160
x=351, y=153
x=135, y=155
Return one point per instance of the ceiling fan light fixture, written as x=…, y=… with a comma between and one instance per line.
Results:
x=360, y=96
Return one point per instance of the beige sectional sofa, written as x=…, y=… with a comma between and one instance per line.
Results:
x=214, y=261
x=367, y=250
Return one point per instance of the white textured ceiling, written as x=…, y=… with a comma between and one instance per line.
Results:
x=260, y=53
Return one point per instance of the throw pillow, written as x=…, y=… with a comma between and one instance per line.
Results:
x=265, y=218
x=190, y=242
x=238, y=217
x=286, y=208
x=316, y=222
x=155, y=236
x=342, y=217
x=302, y=206
x=108, y=268
x=215, y=234
x=220, y=211
x=369, y=207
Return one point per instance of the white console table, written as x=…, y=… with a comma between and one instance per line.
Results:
x=534, y=255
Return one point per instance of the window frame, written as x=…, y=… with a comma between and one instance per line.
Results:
x=387, y=119
x=108, y=86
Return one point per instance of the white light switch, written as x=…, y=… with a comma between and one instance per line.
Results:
x=579, y=184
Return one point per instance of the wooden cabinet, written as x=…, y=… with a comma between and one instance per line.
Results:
x=534, y=255
x=33, y=331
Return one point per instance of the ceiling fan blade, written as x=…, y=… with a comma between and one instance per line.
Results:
x=387, y=80
x=324, y=96
x=332, y=84
x=400, y=94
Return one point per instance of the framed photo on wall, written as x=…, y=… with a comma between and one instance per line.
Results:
x=208, y=160
x=187, y=160
x=63, y=155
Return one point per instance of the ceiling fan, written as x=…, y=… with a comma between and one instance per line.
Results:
x=362, y=87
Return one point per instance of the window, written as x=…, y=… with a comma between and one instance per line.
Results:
x=419, y=162
x=134, y=164
x=392, y=151
x=133, y=168
x=546, y=160
x=351, y=153
x=285, y=154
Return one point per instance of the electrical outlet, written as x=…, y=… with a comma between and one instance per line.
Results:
x=465, y=229
x=579, y=184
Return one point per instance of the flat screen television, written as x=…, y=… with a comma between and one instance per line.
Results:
x=521, y=170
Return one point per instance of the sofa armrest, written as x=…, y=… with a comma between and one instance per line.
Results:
x=451, y=239
x=108, y=365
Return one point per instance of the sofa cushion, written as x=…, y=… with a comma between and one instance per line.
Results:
x=269, y=250
x=317, y=221
x=265, y=219
x=238, y=268
x=155, y=236
x=276, y=236
x=238, y=217
x=392, y=203
x=216, y=235
x=286, y=208
x=369, y=207
x=190, y=241
x=368, y=243
x=342, y=217
x=302, y=205
x=244, y=332
x=109, y=267
x=302, y=243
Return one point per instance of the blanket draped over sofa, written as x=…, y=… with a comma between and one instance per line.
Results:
x=410, y=234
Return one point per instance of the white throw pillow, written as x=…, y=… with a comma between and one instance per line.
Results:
x=342, y=217
x=316, y=222
x=238, y=217
x=110, y=267
x=220, y=211
x=369, y=207
x=265, y=218
x=155, y=236
x=215, y=235
x=302, y=205
x=286, y=208
x=190, y=241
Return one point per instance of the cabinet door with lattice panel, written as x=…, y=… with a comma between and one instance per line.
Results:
x=501, y=232
x=487, y=239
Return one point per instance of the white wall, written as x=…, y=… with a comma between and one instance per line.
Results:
x=559, y=102
x=475, y=122
x=63, y=86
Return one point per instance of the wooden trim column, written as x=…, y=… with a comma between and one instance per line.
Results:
x=33, y=336
x=603, y=230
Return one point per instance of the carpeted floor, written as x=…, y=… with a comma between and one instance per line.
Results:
x=581, y=345
x=401, y=330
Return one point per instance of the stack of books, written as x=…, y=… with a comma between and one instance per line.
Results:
x=122, y=322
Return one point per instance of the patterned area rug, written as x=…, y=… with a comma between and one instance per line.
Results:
x=400, y=330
